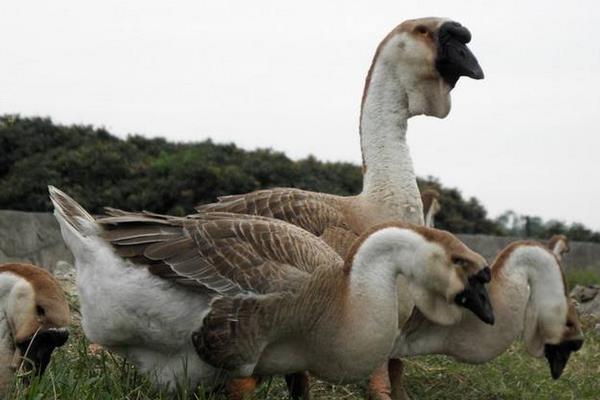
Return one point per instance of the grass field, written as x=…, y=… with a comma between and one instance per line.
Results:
x=77, y=374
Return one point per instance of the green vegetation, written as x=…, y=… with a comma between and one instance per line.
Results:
x=138, y=173
x=77, y=374
x=535, y=227
x=152, y=174
x=584, y=276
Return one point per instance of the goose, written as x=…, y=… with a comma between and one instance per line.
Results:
x=413, y=71
x=529, y=296
x=560, y=246
x=431, y=206
x=248, y=294
x=34, y=319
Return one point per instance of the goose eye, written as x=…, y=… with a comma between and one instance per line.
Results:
x=461, y=262
x=421, y=30
x=40, y=310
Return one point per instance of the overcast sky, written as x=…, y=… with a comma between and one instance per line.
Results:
x=289, y=75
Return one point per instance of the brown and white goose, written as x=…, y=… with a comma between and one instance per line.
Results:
x=431, y=206
x=412, y=73
x=559, y=245
x=249, y=294
x=530, y=300
x=34, y=317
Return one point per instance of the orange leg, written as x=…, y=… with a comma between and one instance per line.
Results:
x=241, y=388
x=298, y=385
x=379, y=384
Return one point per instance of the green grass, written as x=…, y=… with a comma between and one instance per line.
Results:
x=583, y=276
x=76, y=374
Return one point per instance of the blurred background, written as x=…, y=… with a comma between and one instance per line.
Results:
x=160, y=106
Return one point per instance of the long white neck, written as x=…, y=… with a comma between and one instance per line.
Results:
x=365, y=324
x=389, y=176
x=559, y=249
x=371, y=310
x=383, y=256
x=524, y=284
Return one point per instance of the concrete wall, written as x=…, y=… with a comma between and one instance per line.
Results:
x=35, y=237
x=32, y=237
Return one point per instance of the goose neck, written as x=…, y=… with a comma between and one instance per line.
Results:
x=508, y=295
x=379, y=259
x=388, y=169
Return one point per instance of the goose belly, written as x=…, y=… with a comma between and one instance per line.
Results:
x=283, y=357
x=172, y=369
x=353, y=364
x=345, y=358
x=286, y=358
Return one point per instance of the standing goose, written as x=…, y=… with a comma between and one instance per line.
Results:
x=258, y=295
x=559, y=245
x=431, y=206
x=34, y=317
x=529, y=296
x=412, y=73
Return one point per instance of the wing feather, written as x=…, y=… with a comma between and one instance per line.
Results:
x=225, y=253
x=311, y=211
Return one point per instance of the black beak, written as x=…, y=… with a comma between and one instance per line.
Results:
x=475, y=297
x=558, y=355
x=39, y=348
x=454, y=59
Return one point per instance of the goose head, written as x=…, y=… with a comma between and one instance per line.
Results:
x=36, y=315
x=426, y=57
x=552, y=326
x=571, y=341
x=449, y=277
x=559, y=245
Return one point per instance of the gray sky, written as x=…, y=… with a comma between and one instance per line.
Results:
x=289, y=75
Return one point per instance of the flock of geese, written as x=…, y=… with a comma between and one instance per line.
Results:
x=297, y=283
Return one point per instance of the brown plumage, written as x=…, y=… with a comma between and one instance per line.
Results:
x=559, y=245
x=336, y=219
x=222, y=253
x=265, y=275
x=273, y=284
x=389, y=191
x=53, y=311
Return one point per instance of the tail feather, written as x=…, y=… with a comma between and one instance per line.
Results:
x=72, y=213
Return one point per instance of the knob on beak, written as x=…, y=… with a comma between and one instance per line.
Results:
x=454, y=59
x=475, y=297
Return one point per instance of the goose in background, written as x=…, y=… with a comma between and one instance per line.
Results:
x=530, y=299
x=34, y=319
x=249, y=294
x=413, y=71
x=431, y=206
x=559, y=245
